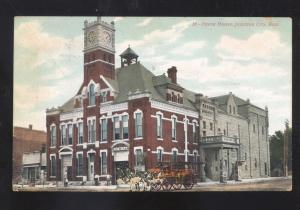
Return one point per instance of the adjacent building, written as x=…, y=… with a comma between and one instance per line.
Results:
x=129, y=117
x=25, y=140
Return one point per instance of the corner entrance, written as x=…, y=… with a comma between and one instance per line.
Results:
x=121, y=169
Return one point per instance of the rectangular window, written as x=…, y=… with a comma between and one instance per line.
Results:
x=245, y=155
x=103, y=130
x=253, y=128
x=116, y=128
x=139, y=157
x=104, y=96
x=262, y=130
x=159, y=126
x=70, y=134
x=174, y=156
x=53, y=135
x=204, y=125
x=80, y=165
x=194, y=132
x=173, y=128
x=92, y=130
x=230, y=109
x=204, y=133
x=138, y=125
x=63, y=135
x=53, y=166
x=255, y=163
x=234, y=110
x=159, y=155
x=125, y=126
x=266, y=169
x=211, y=126
x=80, y=133
x=103, y=163
x=216, y=156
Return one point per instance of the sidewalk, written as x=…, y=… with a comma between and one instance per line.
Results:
x=243, y=181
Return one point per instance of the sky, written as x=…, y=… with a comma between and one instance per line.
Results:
x=250, y=57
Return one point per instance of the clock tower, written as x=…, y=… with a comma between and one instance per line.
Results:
x=99, y=50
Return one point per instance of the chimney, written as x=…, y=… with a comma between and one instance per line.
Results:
x=30, y=126
x=172, y=74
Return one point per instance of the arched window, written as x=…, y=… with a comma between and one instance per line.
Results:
x=92, y=95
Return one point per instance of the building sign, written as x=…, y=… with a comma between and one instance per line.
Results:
x=116, y=149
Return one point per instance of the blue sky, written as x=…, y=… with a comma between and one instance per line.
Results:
x=250, y=57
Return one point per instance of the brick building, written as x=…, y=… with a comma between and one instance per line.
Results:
x=129, y=117
x=25, y=140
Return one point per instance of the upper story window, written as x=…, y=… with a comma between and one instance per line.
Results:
x=230, y=109
x=92, y=98
x=80, y=133
x=211, y=126
x=53, y=135
x=224, y=131
x=104, y=96
x=234, y=110
x=70, y=134
x=159, y=125
x=173, y=128
x=262, y=130
x=63, y=135
x=138, y=124
x=195, y=132
x=204, y=133
x=204, y=125
x=91, y=130
x=253, y=128
x=103, y=130
x=116, y=128
x=125, y=126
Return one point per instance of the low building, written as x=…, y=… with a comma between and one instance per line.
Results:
x=128, y=117
x=34, y=166
x=25, y=140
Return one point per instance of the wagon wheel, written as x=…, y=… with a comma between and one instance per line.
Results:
x=177, y=183
x=155, y=186
x=188, y=182
x=166, y=185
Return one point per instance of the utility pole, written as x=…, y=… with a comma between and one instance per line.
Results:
x=285, y=149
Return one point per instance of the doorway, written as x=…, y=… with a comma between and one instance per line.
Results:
x=91, y=167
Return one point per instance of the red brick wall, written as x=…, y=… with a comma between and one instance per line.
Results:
x=25, y=140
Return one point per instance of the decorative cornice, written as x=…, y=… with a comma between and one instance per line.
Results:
x=113, y=107
x=76, y=113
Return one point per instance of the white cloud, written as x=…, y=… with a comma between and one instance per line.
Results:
x=263, y=45
x=156, y=38
x=145, y=22
x=58, y=73
x=43, y=47
x=189, y=48
x=117, y=19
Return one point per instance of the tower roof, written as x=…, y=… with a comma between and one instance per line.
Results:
x=129, y=53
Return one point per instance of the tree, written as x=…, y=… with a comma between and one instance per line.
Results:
x=276, y=151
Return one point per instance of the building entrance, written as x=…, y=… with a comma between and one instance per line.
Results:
x=121, y=169
x=66, y=167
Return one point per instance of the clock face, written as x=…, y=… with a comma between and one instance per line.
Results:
x=91, y=37
x=106, y=38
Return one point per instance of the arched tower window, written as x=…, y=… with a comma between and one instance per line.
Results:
x=92, y=95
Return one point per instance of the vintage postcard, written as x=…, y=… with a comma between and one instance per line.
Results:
x=152, y=104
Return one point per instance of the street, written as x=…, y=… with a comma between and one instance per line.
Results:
x=270, y=184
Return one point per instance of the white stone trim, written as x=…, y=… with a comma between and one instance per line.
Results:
x=52, y=155
x=90, y=119
x=72, y=115
x=90, y=152
x=113, y=108
x=137, y=111
x=97, y=60
x=139, y=95
x=136, y=148
x=107, y=83
x=138, y=138
x=174, y=149
x=77, y=153
x=173, y=109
